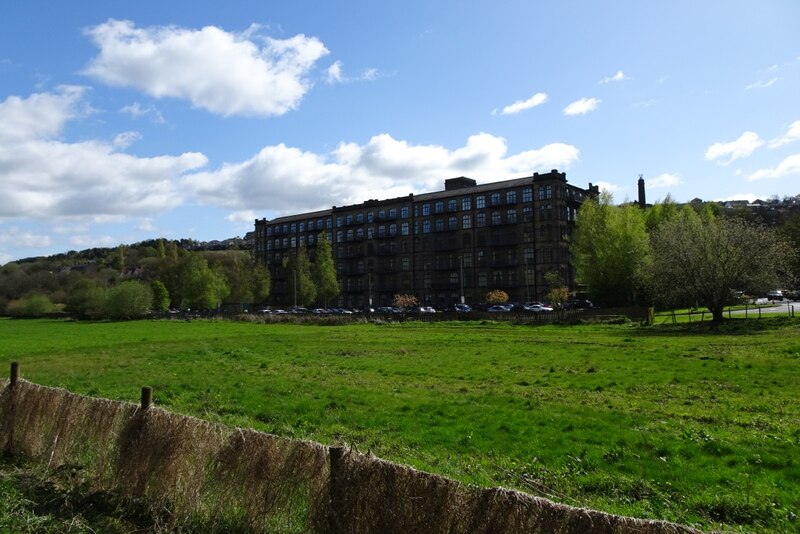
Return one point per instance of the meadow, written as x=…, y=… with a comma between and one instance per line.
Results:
x=698, y=424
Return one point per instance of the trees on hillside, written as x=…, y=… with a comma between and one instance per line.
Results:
x=609, y=246
x=707, y=259
x=202, y=288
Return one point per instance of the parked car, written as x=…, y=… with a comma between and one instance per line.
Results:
x=500, y=308
x=579, y=304
x=775, y=294
x=462, y=308
x=537, y=308
x=423, y=309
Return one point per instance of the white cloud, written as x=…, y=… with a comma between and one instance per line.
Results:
x=761, y=84
x=793, y=134
x=747, y=143
x=521, y=105
x=243, y=216
x=664, y=180
x=286, y=179
x=137, y=111
x=146, y=225
x=618, y=77
x=222, y=72
x=90, y=241
x=41, y=114
x=44, y=177
x=126, y=139
x=5, y=258
x=787, y=167
x=611, y=188
x=582, y=106
x=750, y=197
x=334, y=73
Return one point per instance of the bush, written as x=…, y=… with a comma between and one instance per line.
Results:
x=496, y=296
x=32, y=306
x=129, y=300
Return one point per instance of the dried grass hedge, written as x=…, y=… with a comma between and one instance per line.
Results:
x=195, y=475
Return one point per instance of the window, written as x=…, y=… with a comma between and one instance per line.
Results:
x=451, y=205
x=511, y=216
x=511, y=197
x=381, y=215
x=370, y=232
x=480, y=220
x=404, y=213
x=426, y=210
x=439, y=225
x=339, y=236
x=339, y=221
x=360, y=218
x=495, y=199
x=302, y=227
x=439, y=206
x=496, y=217
x=480, y=202
x=497, y=276
x=310, y=239
x=382, y=231
x=527, y=194
x=482, y=279
x=293, y=228
x=527, y=214
x=350, y=235
x=393, y=213
x=453, y=278
x=370, y=216
x=294, y=242
x=541, y=192
x=467, y=257
x=452, y=223
x=466, y=222
x=426, y=226
x=285, y=242
x=405, y=263
x=404, y=228
x=285, y=228
x=392, y=230
x=466, y=203
x=548, y=191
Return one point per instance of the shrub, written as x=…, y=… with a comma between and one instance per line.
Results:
x=496, y=296
x=32, y=306
x=405, y=301
x=129, y=300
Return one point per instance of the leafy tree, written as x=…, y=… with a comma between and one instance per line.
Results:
x=86, y=299
x=558, y=294
x=160, y=295
x=707, y=260
x=201, y=287
x=324, y=271
x=405, y=301
x=496, y=296
x=131, y=299
x=301, y=284
x=610, y=245
x=261, y=283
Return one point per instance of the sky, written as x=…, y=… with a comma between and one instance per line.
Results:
x=126, y=121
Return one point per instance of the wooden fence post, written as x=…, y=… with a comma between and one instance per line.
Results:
x=147, y=397
x=14, y=373
x=335, y=488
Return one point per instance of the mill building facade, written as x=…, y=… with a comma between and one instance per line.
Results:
x=443, y=247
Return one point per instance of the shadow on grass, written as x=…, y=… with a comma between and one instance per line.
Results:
x=729, y=327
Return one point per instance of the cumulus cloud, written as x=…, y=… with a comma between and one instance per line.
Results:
x=792, y=134
x=227, y=73
x=726, y=153
x=521, y=105
x=664, y=180
x=286, y=179
x=24, y=238
x=334, y=73
x=45, y=177
x=787, y=167
x=41, y=114
x=582, y=106
x=618, y=77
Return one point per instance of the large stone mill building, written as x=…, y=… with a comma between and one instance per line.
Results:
x=439, y=246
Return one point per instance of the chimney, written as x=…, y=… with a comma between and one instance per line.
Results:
x=642, y=201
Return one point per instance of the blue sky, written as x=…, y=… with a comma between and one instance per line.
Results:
x=124, y=121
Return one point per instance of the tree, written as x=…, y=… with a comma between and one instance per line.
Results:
x=86, y=299
x=301, y=284
x=131, y=299
x=35, y=305
x=324, y=271
x=558, y=294
x=261, y=283
x=405, y=301
x=202, y=288
x=706, y=261
x=610, y=245
x=496, y=296
x=160, y=295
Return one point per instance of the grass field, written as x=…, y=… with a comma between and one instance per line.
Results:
x=691, y=423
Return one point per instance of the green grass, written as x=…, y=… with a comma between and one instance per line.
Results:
x=698, y=423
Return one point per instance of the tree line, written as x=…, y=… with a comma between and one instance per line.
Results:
x=671, y=256
x=130, y=281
